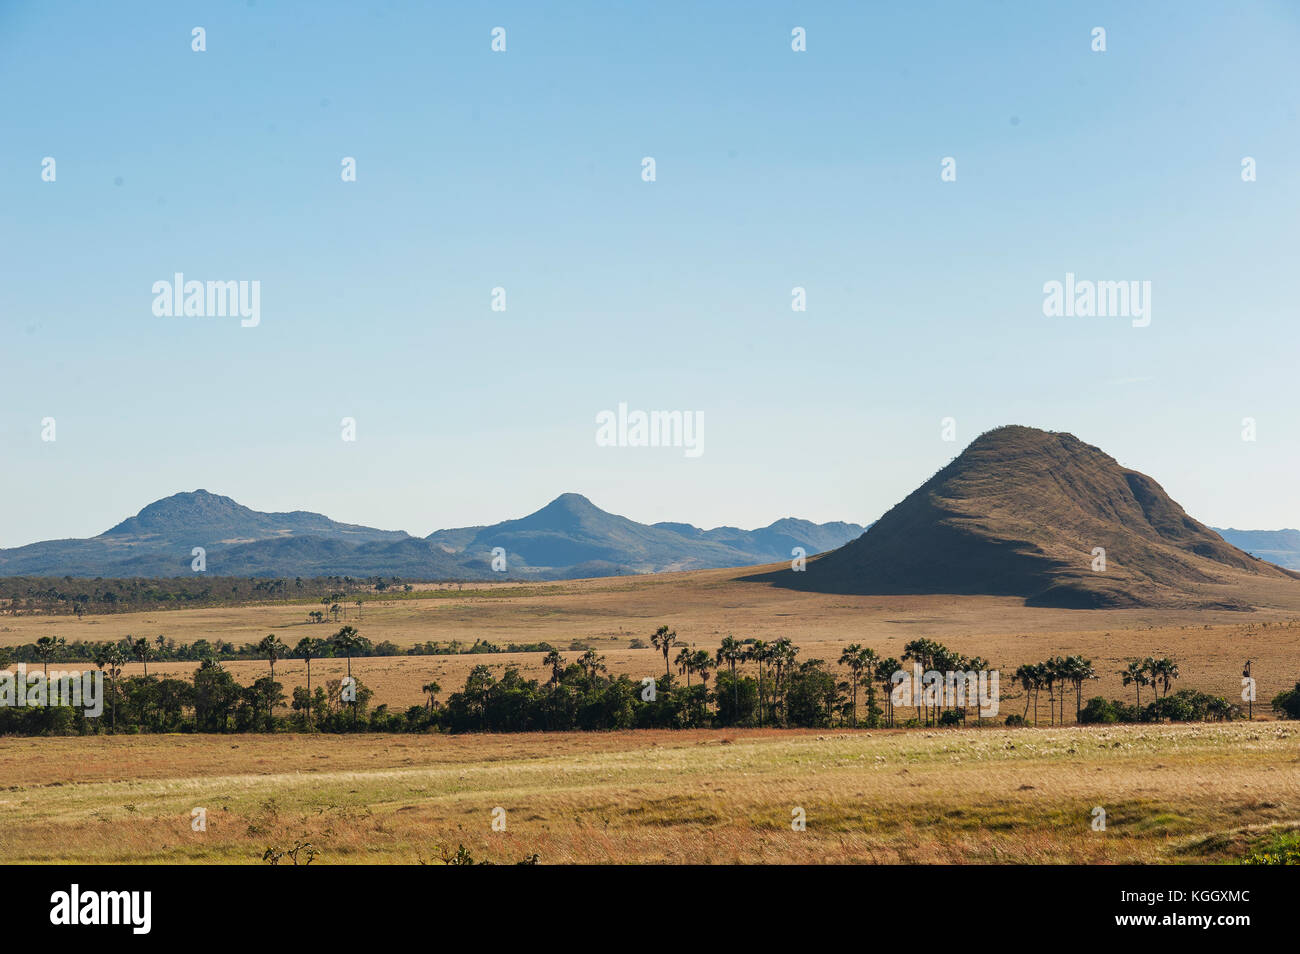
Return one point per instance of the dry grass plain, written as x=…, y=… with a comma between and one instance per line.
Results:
x=1210, y=646
x=1172, y=794
x=1197, y=793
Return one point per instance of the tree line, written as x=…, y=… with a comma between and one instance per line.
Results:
x=751, y=683
x=68, y=595
x=162, y=649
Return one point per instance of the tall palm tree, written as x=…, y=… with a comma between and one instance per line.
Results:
x=663, y=639
x=112, y=659
x=685, y=663
x=703, y=662
x=1025, y=676
x=1135, y=674
x=869, y=660
x=1050, y=673
x=920, y=651
x=348, y=641
x=884, y=674
x=731, y=652
x=1039, y=677
x=591, y=663
x=783, y=653
x=1166, y=671
x=142, y=651
x=272, y=648
x=1081, y=670
x=977, y=665
x=46, y=649
x=556, y=662
x=851, y=656
x=758, y=651
x=431, y=689
x=307, y=648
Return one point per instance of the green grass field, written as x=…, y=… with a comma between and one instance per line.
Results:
x=1171, y=794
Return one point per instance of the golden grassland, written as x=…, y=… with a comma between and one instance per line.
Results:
x=1172, y=794
x=1209, y=645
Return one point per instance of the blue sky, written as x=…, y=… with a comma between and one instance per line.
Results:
x=522, y=170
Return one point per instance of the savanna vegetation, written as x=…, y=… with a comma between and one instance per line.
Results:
x=750, y=683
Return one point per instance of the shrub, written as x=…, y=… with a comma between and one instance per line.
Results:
x=1287, y=704
x=1189, y=705
x=1100, y=710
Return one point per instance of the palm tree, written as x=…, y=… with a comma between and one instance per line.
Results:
x=1025, y=676
x=306, y=648
x=1135, y=674
x=702, y=663
x=663, y=640
x=685, y=663
x=1039, y=676
x=112, y=658
x=358, y=609
x=977, y=665
x=869, y=659
x=783, y=653
x=920, y=651
x=884, y=674
x=591, y=663
x=349, y=641
x=1051, y=673
x=556, y=662
x=759, y=652
x=1166, y=671
x=1080, y=671
x=272, y=648
x=947, y=661
x=731, y=652
x=851, y=656
x=431, y=689
x=46, y=648
x=142, y=651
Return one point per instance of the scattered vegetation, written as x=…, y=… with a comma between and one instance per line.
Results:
x=698, y=689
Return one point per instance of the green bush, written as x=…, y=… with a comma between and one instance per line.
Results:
x=1287, y=704
x=1099, y=710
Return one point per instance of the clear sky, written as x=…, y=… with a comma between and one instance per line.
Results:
x=523, y=169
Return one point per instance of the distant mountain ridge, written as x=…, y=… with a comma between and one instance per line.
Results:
x=1024, y=512
x=568, y=538
x=1277, y=546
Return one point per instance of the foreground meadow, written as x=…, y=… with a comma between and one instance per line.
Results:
x=1196, y=793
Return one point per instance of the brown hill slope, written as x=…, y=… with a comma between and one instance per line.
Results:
x=1018, y=514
